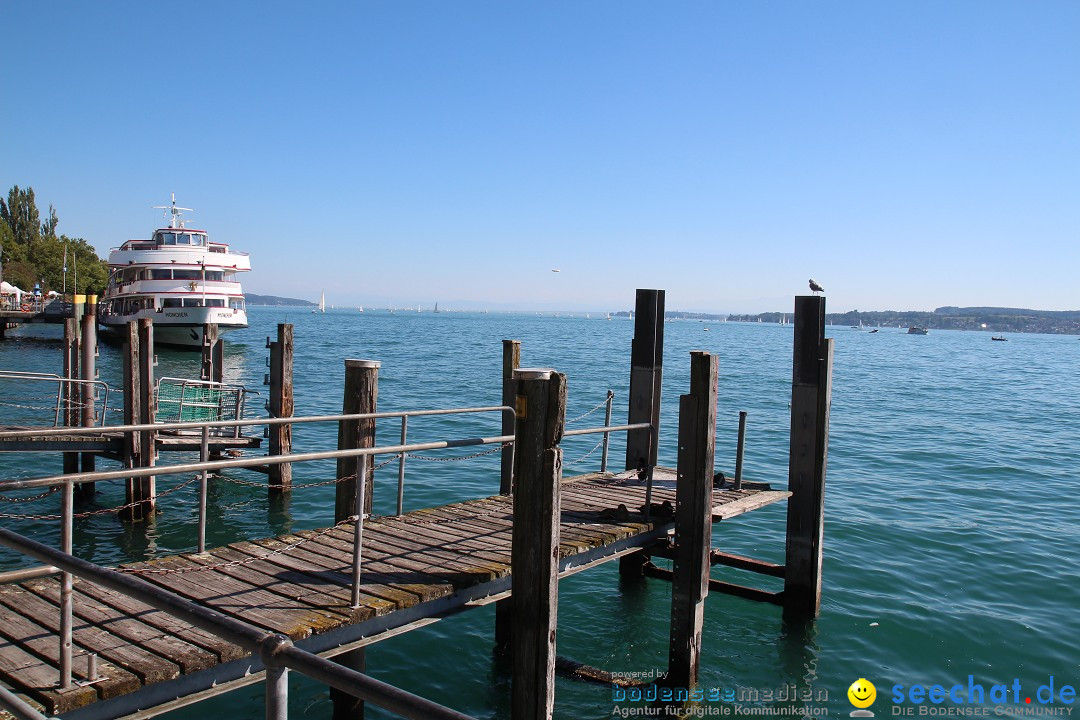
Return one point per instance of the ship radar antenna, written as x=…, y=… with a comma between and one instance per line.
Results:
x=174, y=211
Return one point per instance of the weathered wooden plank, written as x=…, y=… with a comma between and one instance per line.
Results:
x=112, y=648
x=399, y=582
x=40, y=681
x=379, y=596
x=187, y=657
x=168, y=624
x=435, y=562
x=238, y=599
x=44, y=644
x=746, y=504
x=285, y=584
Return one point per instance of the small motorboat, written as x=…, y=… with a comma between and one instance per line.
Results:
x=999, y=338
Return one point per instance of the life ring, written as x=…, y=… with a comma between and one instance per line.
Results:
x=26, y=307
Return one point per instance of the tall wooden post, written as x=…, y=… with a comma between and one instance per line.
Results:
x=534, y=556
x=139, y=409
x=361, y=396
x=646, y=377
x=70, y=392
x=811, y=393
x=88, y=372
x=281, y=405
x=693, y=520
x=511, y=361
x=213, y=354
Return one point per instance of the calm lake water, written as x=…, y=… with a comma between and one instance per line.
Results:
x=952, y=534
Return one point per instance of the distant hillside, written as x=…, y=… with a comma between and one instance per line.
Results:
x=995, y=319
x=253, y=299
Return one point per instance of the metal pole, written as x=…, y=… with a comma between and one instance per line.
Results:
x=358, y=527
x=401, y=466
x=204, y=454
x=277, y=692
x=67, y=512
x=739, y=450
x=607, y=435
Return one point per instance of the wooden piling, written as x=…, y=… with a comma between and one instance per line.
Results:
x=646, y=376
x=361, y=396
x=139, y=409
x=541, y=405
x=511, y=361
x=693, y=521
x=213, y=354
x=88, y=372
x=281, y=405
x=811, y=393
x=69, y=392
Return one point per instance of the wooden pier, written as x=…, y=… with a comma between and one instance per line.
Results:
x=150, y=636
x=418, y=567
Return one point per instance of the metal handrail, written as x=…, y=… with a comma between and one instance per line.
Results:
x=196, y=424
x=60, y=380
x=266, y=651
x=276, y=651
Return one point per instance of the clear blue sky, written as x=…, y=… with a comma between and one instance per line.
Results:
x=905, y=154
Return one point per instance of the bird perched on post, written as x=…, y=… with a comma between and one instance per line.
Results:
x=815, y=287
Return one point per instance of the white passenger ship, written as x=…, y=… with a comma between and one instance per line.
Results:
x=180, y=279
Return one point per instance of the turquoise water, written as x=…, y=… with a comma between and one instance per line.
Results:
x=952, y=529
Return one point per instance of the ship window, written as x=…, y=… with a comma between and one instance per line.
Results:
x=214, y=275
x=186, y=274
x=171, y=302
x=168, y=238
x=196, y=239
x=161, y=274
x=236, y=303
x=183, y=239
x=215, y=302
x=192, y=302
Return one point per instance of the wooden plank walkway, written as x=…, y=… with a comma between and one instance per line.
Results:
x=416, y=568
x=104, y=440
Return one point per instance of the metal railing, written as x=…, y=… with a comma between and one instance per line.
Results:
x=275, y=650
x=65, y=561
x=67, y=400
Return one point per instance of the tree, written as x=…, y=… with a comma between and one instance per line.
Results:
x=21, y=215
x=33, y=252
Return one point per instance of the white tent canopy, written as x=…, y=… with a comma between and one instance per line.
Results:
x=9, y=289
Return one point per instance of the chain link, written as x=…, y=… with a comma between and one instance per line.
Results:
x=32, y=498
x=599, y=405
x=102, y=511
x=463, y=457
x=585, y=457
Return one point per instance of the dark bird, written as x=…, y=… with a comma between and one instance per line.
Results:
x=815, y=287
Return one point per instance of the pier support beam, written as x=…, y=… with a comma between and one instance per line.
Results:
x=139, y=408
x=361, y=396
x=811, y=393
x=541, y=405
x=693, y=521
x=511, y=361
x=213, y=354
x=281, y=405
x=88, y=372
x=646, y=376
x=70, y=392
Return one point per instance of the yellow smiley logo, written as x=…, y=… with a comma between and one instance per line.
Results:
x=862, y=693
